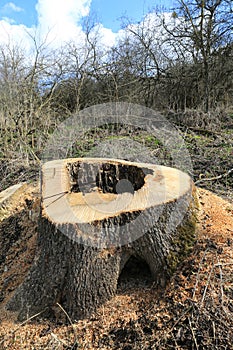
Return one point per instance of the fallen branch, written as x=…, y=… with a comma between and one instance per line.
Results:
x=215, y=177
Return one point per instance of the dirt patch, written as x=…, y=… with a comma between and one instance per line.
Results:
x=195, y=311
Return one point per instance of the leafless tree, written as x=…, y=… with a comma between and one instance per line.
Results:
x=202, y=28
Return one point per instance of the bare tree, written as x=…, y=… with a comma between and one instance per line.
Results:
x=202, y=28
x=27, y=86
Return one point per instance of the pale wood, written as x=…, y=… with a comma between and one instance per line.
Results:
x=7, y=195
x=165, y=185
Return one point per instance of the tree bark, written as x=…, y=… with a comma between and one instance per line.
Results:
x=95, y=215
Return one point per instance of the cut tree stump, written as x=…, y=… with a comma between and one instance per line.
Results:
x=95, y=215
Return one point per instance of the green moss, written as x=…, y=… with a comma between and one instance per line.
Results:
x=184, y=239
x=149, y=140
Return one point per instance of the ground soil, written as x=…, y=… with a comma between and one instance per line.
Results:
x=194, y=311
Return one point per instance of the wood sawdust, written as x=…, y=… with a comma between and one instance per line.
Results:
x=195, y=311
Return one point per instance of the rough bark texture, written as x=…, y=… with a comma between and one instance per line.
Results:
x=81, y=275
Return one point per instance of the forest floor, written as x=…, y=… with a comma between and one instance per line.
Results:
x=194, y=311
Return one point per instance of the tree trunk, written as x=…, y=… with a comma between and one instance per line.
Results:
x=96, y=214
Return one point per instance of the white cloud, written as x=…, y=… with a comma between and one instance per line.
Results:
x=15, y=34
x=107, y=37
x=12, y=7
x=8, y=20
x=60, y=19
x=58, y=22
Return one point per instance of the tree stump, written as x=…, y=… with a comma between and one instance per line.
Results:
x=95, y=214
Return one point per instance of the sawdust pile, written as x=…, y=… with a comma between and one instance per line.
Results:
x=195, y=311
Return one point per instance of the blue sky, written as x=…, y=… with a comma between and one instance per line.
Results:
x=63, y=17
x=110, y=11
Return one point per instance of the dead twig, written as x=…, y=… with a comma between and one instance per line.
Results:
x=59, y=340
x=207, y=285
x=72, y=325
x=215, y=177
x=198, y=273
x=193, y=334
